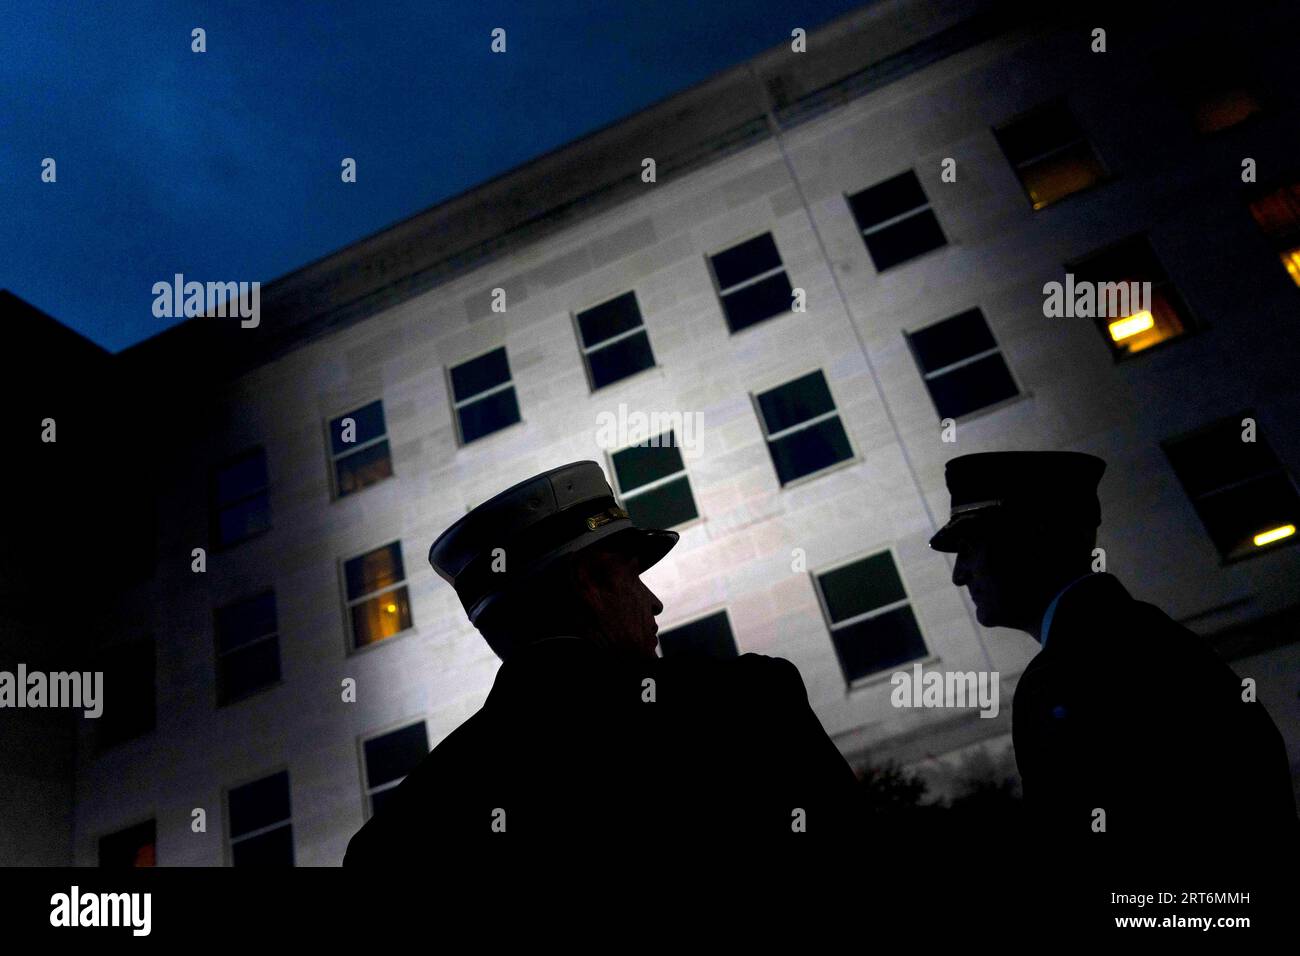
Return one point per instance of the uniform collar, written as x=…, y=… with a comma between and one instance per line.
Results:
x=555, y=666
x=1051, y=608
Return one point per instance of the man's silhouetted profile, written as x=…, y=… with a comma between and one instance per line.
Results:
x=587, y=738
x=1129, y=732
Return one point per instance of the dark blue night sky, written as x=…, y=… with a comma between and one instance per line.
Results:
x=225, y=165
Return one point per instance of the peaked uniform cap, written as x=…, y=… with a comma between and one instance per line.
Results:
x=985, y=484
x=526, y=529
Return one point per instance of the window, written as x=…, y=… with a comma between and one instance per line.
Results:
x=802, y=428
x=708, y=637
x=378, y=603
x=483, y=395
x=870, y=619
x=248, y=647
x=1050, y=154
x=240, y=507
x=961, y=364
x=1278, y=213
x=751, y=282
x=896, y=221
x=1133, y=261
x=359, y=449
x=1215, y=82
x=127, y=848
x=652, y=483
x=614, y=341
x=1222, y=108
x=129, y=693
x=261, y=832
x=1242, y=493
x=390, y=758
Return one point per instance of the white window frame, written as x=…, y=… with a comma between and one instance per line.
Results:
x=904, y=601
x=752, y=280
x=335, y=458
x=286, y=822
x=587, y=350
x=625, y=496
x=220, y=508
x=349, y=602
x=894, y=220
x=926, y=377
x=367, y=791
x=768, y=438
x=695, y=618
x=458, y=404
x=219, y=653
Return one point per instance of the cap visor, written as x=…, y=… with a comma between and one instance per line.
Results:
x=648, y=544
x=949, y=537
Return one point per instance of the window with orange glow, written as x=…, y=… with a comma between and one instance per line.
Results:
x=1133, y=260
x=128, y=848
x=1277, y=211
x=1050, y=154
x=1213, y=77
x=1240, y=490
x=379, y=605
x=1222, y=109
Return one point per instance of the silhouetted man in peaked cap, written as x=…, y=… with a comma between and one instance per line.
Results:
x=1129, y=732
x=587, y=738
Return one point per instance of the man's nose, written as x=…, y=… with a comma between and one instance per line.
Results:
x=656, y=604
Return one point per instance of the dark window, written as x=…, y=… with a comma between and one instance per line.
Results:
x=378, y=603
x=1277, y=211
x=248, y=647
x=614, y=341
x=896, y=221
x=751, y=282
x=483, y=395
x=1215, y=80
x=870, y=619
x=961, y=365
x=1132, y=263
x=134, y=846
x=240, y=506
x=128, y=693
x=1050, y=154
x=802, y=427
x=359, y=448
x=1225, y=107
x=708, y=637
x=390, y=758
x=1243, y=494
x=261, y=833
x=652, y=483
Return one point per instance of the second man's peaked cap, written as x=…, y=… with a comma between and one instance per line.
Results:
x=523, y=531
x=1049, y=482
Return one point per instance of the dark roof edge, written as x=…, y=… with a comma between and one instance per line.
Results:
x=859, y=52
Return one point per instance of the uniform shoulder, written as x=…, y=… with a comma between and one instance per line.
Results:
x=773, y=673
x=767, y=665
x=742, y=674
x=410, y=805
